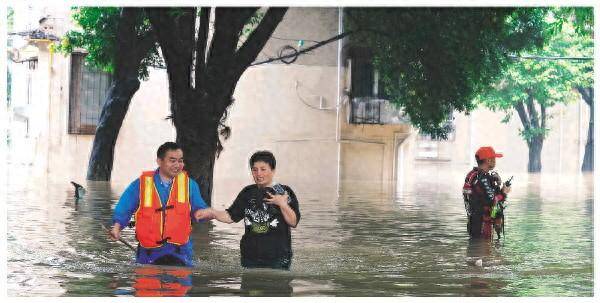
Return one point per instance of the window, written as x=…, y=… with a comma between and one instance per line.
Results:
x=367, y=96
x=432, y=148
x=88, y=90
x=365, y=79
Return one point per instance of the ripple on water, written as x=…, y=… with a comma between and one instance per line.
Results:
x=364, y=244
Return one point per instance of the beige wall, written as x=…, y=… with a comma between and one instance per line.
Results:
x=310, y=24
x=370, y=153
x=268, y=114
x=562, y=151
x=288, y=109
x=143, y=130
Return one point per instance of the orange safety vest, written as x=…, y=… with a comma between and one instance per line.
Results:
x=155, y=226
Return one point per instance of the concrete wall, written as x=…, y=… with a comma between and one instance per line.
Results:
x=370, y=153
x=277, y=107
x=562, y=151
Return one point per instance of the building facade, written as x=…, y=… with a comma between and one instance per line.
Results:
x=327, y=138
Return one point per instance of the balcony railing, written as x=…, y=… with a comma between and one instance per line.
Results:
x=369, y=110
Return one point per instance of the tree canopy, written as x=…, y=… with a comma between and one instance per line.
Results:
x=531, y=85
x=433, y=61
x=98, y=35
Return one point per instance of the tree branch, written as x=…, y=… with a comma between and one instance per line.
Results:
x=176, y=52
x=127, y=43
x=543, y=111
x=201, y=42
x=228, y=24
x=257, y=39
x=533, y=114
x=523, y=115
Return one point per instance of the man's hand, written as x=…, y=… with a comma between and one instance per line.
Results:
x=115, y=232
x=204, y=214
x=279, y=200
x=505, y=189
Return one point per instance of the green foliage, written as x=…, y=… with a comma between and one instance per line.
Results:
x=98, y=36
x=545, y=81
x=529, y=133
x=432, y=61
x=581, y=18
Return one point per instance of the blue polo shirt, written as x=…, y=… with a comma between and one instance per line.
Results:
x=129, y=203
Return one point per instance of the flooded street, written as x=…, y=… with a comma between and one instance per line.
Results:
x=413, y=243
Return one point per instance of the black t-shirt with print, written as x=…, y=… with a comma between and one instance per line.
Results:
x=267, y=241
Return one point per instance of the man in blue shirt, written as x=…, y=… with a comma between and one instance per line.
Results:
x=164, y=203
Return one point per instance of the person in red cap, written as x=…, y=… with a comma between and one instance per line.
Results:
x=482, y=190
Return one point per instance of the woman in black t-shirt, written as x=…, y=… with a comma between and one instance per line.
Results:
x=269, y=209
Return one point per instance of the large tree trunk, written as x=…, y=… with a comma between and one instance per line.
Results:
x=588, y=157
x=533, y=122
x=197, y=134
x=200, y=155
x=111, y=119
x=131, y=49
x=535, y=154
x=202, y=82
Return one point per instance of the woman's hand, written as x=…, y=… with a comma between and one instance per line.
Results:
x=279, y=200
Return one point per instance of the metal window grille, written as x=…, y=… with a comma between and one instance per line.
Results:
x=87, y=94
x=365, y=111
x=366, y=89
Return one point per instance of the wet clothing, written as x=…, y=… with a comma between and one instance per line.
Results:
x=267, y=241
x=481, y=192
x=129, y=203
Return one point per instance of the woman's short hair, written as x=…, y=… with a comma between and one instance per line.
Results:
x=264, y=156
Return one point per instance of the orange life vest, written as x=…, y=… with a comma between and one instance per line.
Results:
x=155, y=226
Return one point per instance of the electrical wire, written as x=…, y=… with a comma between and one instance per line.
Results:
x=297, y=85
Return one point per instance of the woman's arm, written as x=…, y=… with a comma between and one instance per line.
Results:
x=222, y=216
x=288, y=213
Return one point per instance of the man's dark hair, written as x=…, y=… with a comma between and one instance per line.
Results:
x=479, y=161
x=264, y=156
x=162, y=150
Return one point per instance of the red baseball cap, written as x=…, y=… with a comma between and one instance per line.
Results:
x=487, y=152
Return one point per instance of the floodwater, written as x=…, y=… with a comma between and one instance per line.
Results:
x=366, y=243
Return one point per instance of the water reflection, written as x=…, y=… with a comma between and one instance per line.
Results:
x=270, y=283
x=366, y=243
x=163, y=281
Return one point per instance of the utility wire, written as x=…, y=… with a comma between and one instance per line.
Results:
x=551, y=58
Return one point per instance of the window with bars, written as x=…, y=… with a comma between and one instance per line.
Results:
x=87, y=93
x=366, y=88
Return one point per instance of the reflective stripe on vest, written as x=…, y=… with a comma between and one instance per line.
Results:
x=155, y=225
